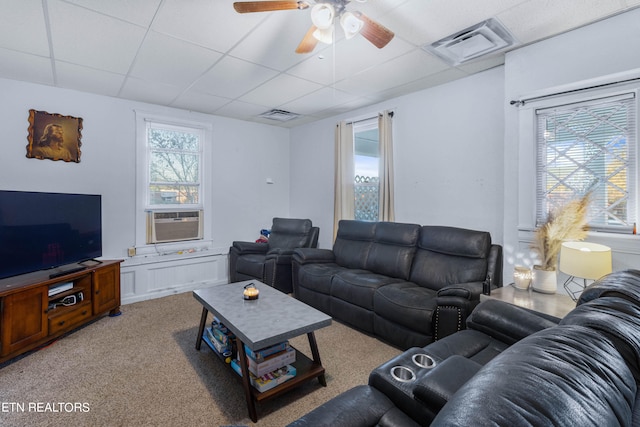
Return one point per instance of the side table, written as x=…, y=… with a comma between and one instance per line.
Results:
x=556, y=305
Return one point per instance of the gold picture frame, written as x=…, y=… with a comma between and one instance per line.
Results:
x=54, y=136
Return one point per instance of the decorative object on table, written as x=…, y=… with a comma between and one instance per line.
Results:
x=569, y=222
x=589, y=261
x=521, y=277
x=54, y=136
x=251, y=292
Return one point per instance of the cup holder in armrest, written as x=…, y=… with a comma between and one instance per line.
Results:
x=424, y=360
x=403, y=374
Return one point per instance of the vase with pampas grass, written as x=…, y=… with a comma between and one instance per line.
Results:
x=568, y=223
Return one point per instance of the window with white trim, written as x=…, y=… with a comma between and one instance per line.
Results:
x=589, y=146
x=174, y=165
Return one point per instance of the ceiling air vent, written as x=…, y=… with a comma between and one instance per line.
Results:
x=471, y=43
x=279, y=115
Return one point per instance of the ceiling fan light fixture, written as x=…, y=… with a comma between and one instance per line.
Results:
x=350, y=24
x=322, y=15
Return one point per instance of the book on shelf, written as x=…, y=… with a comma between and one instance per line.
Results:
x=272, y=362
x=270, y=380
x=220, y=347
x=263, y=353
x=221, y=332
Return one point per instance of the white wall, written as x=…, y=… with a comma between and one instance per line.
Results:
x=592, y=53
x=244, y=156
x=448, y=145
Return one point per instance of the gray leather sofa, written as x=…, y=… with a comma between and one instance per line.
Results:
x=405, y=283
x=583, y=371
x=411, y=401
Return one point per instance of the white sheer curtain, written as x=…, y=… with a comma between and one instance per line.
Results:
x=343, y=207
x=386, y=205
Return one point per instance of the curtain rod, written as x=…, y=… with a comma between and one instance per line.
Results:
x=521, y=102
x=353, y=122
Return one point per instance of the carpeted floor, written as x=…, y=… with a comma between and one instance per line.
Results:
x=142, y=369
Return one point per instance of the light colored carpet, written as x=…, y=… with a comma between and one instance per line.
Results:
x=142, y=369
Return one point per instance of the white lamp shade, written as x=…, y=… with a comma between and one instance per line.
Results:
x=350, y=24
x=585, y=260
x=322, y=15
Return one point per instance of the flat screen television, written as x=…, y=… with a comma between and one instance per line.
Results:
x=41, y=231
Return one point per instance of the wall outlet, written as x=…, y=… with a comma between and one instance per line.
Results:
x=131, y=251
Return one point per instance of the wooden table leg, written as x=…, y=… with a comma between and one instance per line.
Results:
x=316, y=356
x=203, y=322
x=246, y=383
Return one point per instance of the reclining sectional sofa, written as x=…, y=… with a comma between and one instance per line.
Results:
x=405, y=283
x=511, y=367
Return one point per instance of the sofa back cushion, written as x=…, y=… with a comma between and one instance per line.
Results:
x=562, y=376
x=289, y=233
x=353, y=243
x=450, y=255
x=393, y=248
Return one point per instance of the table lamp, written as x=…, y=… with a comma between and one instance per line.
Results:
x=583, y=260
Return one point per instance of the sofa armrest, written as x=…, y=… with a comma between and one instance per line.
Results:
x=249, y=248
x=313, y=255
x=453, y=304
x=436, y=387
x=469, y=291
x=507, y=322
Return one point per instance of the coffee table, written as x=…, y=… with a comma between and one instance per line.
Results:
x=272, y=318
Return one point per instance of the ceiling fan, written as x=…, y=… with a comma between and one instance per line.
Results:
x=323, y=15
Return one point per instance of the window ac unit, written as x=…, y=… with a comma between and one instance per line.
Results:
x=173, y=226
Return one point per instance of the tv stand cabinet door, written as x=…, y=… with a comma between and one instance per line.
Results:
x=106, y=289
x=24, y=319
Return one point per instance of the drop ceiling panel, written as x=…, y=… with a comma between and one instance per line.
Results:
x=209, y=23
x=528, y=24
x=197, y=101
x=137, y=12
x=91, y=39
x=25, y=67
x=148, y=91
x=246, y=76
x=274, y=41
x=22, y=27
x=172, y=61
x=85, y=79
x=349, y=57
x=319, y=100
x=415, y=65
x=280, y=90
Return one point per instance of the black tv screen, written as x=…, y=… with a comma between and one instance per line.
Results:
x=41, y=231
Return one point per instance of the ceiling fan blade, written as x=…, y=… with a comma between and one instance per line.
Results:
x=308, y=42
x=268, y=6
x=375, y=32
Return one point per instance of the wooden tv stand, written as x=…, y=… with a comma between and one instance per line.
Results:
x=29, y=317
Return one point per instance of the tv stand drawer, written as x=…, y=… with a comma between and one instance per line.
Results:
x=69, y=318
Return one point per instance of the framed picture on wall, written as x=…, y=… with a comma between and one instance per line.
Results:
x=54, y=136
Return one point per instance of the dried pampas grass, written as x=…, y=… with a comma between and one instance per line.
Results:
x=567, y=223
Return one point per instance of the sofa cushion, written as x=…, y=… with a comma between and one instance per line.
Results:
x=251, y=265
x=318, y=277
x=393, y=248
x=353, y=243
x=289, y=233
x=407, y=304
x=358, y=286
x=448, y=255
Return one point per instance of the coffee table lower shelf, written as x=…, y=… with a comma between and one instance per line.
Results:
x=306, y=370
